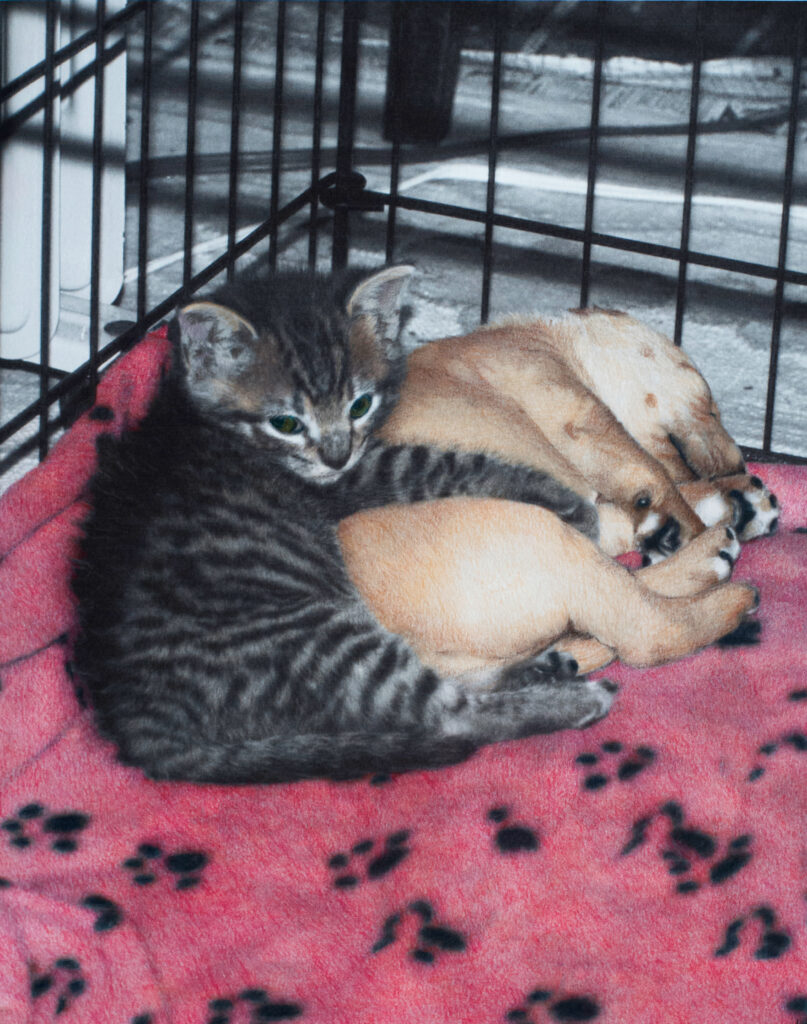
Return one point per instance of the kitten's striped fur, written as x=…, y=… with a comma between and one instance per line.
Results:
x=220, y=635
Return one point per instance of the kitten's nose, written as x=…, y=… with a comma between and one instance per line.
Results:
x=334, y=450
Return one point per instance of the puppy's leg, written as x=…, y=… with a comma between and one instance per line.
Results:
x=706, y=561
x=497, y=581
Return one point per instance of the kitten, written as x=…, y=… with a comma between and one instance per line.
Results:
x=220, y=636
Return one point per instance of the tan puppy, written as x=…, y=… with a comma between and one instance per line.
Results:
x=614, y=410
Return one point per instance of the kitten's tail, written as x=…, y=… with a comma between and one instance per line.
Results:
x=279, y=759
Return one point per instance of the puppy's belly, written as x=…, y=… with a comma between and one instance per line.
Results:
x=477, y=577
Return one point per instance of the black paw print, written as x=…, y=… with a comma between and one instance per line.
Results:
x=394, y=851
x=108, y=914
x=252, y=1006
x=149, y=863
x=630, y=765
x=30, y=825
x=772, y=941
x=512, y=838
x=687, y=846
x=795, y=740
x=797, y=1005
x=63, y=979
x=432, y=938
x=567, y=1008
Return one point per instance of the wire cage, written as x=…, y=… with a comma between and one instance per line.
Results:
x=519, y=153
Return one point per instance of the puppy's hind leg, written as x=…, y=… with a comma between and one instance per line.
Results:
x=706, y=561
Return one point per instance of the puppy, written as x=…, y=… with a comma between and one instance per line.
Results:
x=612, y=409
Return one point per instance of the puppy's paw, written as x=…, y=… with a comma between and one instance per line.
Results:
x=723, y=564
x=755, y=510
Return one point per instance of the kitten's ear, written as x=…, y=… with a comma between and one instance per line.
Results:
x=215, y=343
x=380, y=297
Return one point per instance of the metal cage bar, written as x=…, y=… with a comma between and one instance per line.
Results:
x=143, y=178
x=235, y=132
x=341, y=189
x=593, y=151
x=316, y=134
x=47, y=227
x=277, y=131
x=190, y=143
x=97, y=168
x=395, y=119
x=787, y=201
x=493, y=153
x=689, y=173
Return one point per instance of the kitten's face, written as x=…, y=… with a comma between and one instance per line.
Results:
x=310, y=392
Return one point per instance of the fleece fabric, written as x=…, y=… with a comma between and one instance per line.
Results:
x=652, y=868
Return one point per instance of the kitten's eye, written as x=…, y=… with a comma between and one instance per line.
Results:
x=286, y=424
x=361, y=407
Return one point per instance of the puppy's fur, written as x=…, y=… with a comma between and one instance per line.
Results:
x=611, y=408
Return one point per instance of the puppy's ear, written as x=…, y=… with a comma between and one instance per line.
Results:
x=380, y=297
x=216, y=345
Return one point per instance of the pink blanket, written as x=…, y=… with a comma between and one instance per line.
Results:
x=653, y=868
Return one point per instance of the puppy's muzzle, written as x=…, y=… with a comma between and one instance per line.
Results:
x=662, y=543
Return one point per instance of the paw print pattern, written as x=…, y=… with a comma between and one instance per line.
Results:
x=797, y=1006
x=689, y=850
x=795, y=740
x=514, y=838
x=772, y=942
x=431, y=938
x=347, y=876
x=108, y=914
x=30, y=826
x=63, y=981
x=630, y=765
x=149, y=864
x=252, y=1006
x=539, y=1005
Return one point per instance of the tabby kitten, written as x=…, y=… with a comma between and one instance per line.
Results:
x=220, y=636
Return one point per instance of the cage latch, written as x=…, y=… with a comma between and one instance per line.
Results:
x=348, y=192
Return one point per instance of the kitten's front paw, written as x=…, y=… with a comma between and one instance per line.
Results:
x=597, y=703
x=557, y=664
x=755, y=510
x=550, y=666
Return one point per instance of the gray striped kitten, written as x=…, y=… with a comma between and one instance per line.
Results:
x=220, y=636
